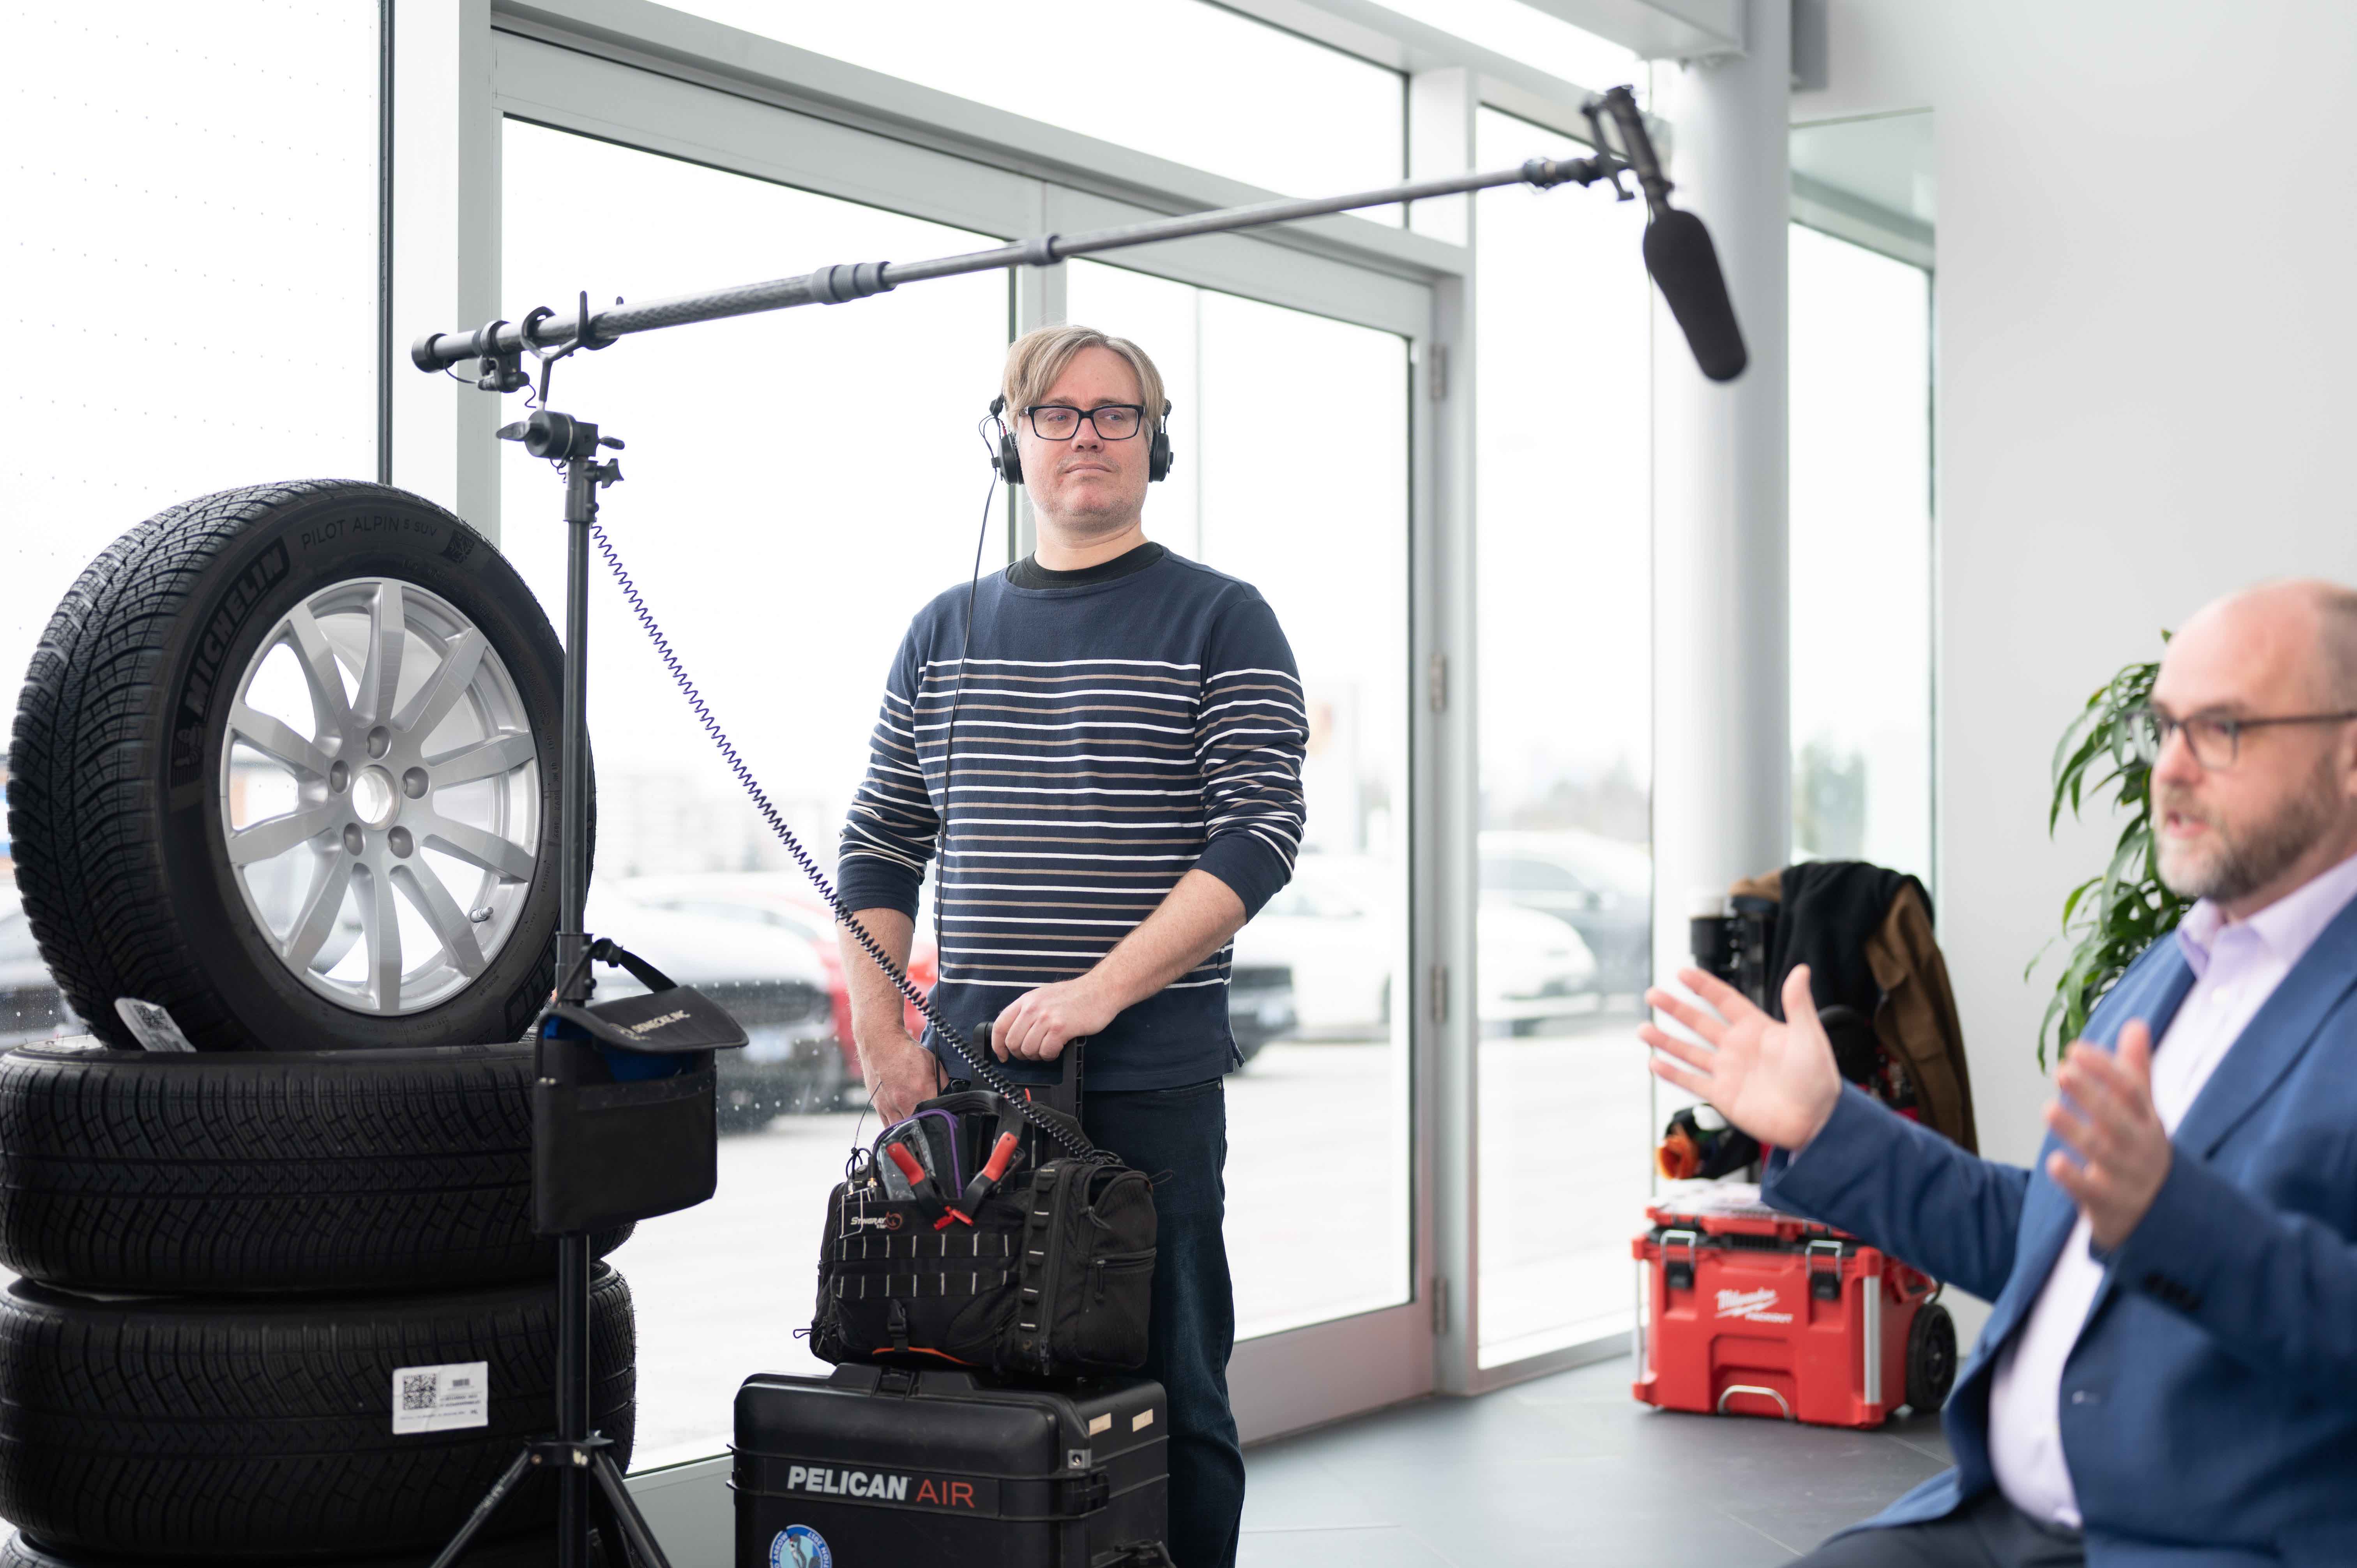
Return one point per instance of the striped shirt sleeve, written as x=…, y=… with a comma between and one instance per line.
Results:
x=892, y=829
x=1251, y=734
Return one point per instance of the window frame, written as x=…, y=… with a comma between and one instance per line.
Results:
x=637, y=75
x=640, y=75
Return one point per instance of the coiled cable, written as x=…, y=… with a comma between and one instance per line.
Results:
x=984, y=1070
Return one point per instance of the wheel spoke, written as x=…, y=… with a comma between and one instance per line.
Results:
x=476, y=846
x=486, y=759
x=381, y=929
x=434, y=700
x=343, y=937
x=388, y=630
x=442, y=912
x=278, y=741
x=452, y=720
x=320, y=671
x=317, y=921
x=276, y=835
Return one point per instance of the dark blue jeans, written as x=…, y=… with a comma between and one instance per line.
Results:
x=1180, y=1138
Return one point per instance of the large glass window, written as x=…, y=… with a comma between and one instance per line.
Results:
x=1291, y=440
x=1180, y=79
x=185, y=178
x=1861, y=555
x=1563, y=934
x=797, y=486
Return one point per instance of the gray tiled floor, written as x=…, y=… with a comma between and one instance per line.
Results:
x=1568, y=1471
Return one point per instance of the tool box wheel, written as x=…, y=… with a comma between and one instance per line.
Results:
x=1931, y=1358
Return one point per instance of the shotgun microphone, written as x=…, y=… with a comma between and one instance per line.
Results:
x=1679, y=253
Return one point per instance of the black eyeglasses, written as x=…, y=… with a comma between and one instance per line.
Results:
x=2215, y=743
x=1061, y=422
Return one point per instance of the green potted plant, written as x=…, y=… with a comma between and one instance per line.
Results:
x=2107, y=920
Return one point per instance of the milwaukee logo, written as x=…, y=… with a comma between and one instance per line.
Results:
x=1752, y=1306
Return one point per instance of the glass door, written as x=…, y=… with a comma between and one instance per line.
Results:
x=1564, y=929
x=1291, y=434
x=797, y=487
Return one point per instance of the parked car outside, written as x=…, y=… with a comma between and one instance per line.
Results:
x=786, y=902
x=1261, y=1008
x=768, y=978
x=1325, y=926
x=1260, y=999
x=775, y=989
x=1599, y=887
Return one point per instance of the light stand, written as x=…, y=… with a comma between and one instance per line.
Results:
x=1688, y=273
x=580, y=1456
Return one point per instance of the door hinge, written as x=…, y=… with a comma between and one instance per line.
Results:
x=1437, y=683
x=1439, y=1308
x=1437, y=374
x=1439, y=994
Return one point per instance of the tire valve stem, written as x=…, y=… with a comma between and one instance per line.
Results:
x=479, y=914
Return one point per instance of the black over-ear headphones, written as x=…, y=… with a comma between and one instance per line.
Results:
x=1009, y=460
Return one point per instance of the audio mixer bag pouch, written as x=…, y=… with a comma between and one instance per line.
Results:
x=966, y=1238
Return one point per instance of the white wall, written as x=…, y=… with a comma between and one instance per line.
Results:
x=2146, y=333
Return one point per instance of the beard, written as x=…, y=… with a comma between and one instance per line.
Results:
x=2235, y=860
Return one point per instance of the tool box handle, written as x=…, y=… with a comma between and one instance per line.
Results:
x=1064, y=1094
x=1733, y=1389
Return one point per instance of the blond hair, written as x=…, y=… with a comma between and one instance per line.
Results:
x=1035, y=360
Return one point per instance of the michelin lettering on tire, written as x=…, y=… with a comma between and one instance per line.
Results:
x=329, y=715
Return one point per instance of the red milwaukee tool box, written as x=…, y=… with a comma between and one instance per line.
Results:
x=1744, y=1310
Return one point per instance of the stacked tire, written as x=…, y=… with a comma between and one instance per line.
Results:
x=279, y=1297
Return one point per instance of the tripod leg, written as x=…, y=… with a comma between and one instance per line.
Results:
x=484, y=1509
x=636, y=1540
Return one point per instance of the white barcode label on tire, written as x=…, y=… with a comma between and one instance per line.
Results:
x=440, y=1399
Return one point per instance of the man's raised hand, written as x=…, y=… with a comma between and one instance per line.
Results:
x=2106, y=1119
x=1775, y=1081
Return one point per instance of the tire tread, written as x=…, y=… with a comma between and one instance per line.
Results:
x=238, y=1173
x=205, y=1429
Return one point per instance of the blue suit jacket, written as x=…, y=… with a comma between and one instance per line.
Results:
x=2209, y=1410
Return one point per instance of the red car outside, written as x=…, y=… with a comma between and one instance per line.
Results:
x=785, y=901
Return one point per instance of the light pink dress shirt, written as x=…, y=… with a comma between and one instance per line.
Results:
x=2236, y=968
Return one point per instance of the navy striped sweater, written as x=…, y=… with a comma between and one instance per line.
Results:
x=1111, y=736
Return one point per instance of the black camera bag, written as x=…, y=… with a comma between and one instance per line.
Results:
x=1045, y=1268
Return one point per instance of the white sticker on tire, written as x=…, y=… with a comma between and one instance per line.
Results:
x=150, y=1026
x=440, y=1399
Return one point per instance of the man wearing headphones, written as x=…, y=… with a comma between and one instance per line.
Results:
x=1105, y=742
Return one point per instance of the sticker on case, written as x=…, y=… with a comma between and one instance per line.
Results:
x=800, y=1546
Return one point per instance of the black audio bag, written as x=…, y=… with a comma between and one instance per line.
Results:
x=969, y=1235
x=623, y=1100
x=884, y=1464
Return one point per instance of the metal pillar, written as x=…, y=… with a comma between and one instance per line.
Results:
x=1442, y=109
x=445, y=250
x=1722, y=774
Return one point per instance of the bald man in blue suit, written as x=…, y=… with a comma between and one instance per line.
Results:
x=2169, y=1376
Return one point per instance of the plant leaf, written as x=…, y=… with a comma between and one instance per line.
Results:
x=2110, y=919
